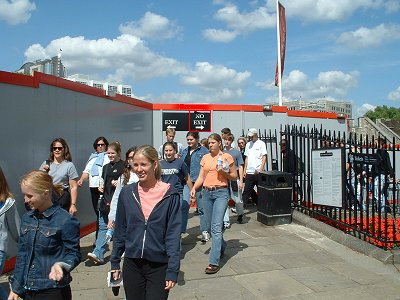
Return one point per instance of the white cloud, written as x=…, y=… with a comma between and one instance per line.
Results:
x=208, y=76
x=207, y=83
x=151, y=26
x=264, y=16
x=246, y=22
x=394, y=95
x=127, y=59
x=239, y=23
x=184, y=97
x=365, y=37
x=328, y=10
x=123, y=57
x=330, y=84
x=16, y=11
x=219, y=81
x=219, y=35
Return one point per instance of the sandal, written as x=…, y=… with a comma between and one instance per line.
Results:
x=212, y=269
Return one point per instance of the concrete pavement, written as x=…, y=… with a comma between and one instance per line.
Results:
x=261, y=262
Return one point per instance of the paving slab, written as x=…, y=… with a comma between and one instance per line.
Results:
x=272, y=285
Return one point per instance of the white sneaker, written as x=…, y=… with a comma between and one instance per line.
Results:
x=93, y=257
x=205, y=236
x=233, y=210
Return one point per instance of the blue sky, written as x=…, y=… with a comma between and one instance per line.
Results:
x=204, y=51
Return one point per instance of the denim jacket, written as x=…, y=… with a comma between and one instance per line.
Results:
x=45, y=239
x=197, y=155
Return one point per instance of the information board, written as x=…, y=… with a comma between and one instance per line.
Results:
x=327, y=176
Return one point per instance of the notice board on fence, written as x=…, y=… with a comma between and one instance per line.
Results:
x=327, y=176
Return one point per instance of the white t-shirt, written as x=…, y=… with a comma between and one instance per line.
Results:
x=114, y=202
x=254, y=152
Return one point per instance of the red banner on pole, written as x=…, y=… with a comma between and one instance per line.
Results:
x=282, y=38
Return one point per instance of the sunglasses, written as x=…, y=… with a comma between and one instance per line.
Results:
x=58, y=148
x=100, y=145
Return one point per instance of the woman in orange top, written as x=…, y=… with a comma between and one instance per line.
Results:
x=216, y=169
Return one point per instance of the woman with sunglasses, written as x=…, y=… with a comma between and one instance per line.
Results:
x=60, y=167
x=93, y=169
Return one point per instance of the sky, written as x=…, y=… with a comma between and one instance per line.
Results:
x=215, y=51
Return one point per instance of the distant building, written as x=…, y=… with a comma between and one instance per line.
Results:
x=52, y=66
x=339, y=107
x=110, y=88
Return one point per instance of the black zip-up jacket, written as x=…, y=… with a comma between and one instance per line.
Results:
x=157, y=239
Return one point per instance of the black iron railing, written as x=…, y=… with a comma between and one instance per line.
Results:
x=370, y=199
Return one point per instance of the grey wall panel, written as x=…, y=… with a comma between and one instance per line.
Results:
x=32, y=117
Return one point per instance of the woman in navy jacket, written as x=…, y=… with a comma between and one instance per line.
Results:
x=147, y=229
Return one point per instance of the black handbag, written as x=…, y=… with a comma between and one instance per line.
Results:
x=103, y=205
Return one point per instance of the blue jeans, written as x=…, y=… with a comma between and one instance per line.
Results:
x=215, y=203
x=101, y=242
x=3, y=257
x=185, y=209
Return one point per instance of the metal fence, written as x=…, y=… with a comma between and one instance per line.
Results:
x=370, y=207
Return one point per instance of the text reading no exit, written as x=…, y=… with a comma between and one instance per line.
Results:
x=200, y=121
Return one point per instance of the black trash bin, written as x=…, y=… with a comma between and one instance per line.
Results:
x=274, y=198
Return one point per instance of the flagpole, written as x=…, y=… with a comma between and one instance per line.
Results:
x=279, y=54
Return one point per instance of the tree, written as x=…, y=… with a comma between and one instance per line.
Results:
x=384, y=112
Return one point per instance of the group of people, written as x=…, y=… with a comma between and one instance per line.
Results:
x=144, y=200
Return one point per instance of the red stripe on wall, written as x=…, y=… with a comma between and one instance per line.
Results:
x=311, y=114
x=18, y=79
x=281, y=109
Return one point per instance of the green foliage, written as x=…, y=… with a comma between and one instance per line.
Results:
x=384, y=112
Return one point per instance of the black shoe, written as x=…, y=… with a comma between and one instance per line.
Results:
x=240, y=219
x=196, y=212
